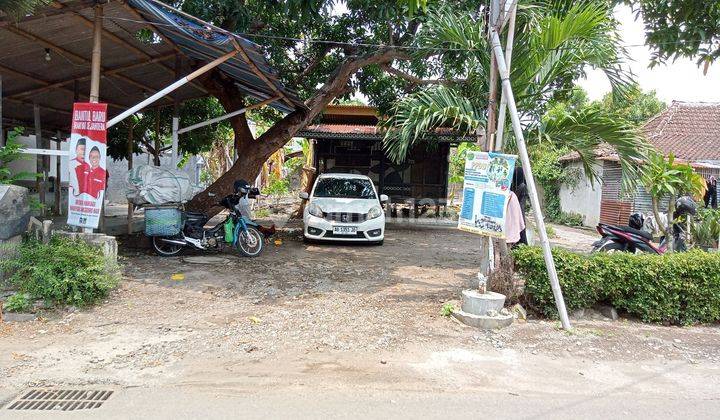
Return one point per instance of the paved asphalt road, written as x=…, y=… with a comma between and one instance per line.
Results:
x=176, y=403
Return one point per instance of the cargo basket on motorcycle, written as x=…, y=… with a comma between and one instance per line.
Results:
x=163, y=221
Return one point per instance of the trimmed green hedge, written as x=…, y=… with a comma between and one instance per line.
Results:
x=679, y=288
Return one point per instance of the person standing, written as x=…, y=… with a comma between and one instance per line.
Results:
x=711, y=193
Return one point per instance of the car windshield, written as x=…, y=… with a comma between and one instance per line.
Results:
x=344, y=188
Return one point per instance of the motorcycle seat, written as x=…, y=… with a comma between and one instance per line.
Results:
x=633, y=231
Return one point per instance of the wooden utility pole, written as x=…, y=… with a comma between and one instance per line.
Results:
x=492, y=83
x=96, y=55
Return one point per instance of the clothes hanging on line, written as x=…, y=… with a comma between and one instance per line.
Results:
x=514, y=220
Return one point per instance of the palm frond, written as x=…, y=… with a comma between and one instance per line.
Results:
x=19, y=8
x=587, y=129
x=415, y=118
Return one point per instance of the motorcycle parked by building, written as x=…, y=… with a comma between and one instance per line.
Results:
x=633, y=238
x=172, y=229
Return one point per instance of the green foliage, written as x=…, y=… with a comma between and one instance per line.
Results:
x=638, y=107
x=706, y=227
x=447, y=309
x=19, y=302
x=550, y=174
x=19, y=8
x=11, y=153
x=682, y=288
x=555, y=42
x=680, y=28
x=64, y=271
x=277, y=187
x=457, y=162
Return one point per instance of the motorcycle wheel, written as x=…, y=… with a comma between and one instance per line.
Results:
x=250, y=242
x=165, y=249
x=608, y=247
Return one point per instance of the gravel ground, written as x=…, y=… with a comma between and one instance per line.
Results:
x=319, y=309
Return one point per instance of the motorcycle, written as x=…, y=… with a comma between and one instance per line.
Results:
x=238, y=228
x=633, y=239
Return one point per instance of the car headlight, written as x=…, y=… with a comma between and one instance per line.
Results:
x=315, y=210
x=375, y=212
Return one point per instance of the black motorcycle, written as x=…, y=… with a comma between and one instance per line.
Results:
x=237, y=230
x=633, y=239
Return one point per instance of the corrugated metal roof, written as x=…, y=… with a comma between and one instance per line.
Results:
x=132, y=68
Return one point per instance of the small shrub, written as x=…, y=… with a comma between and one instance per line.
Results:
x=679, y=288
x=19, y=302
x=63, y=271
x=447, y=309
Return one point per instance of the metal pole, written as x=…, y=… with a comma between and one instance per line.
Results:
x=226, y=116
x=530, y=180
x=172, y=87
x=499, y=135
x=96, y=55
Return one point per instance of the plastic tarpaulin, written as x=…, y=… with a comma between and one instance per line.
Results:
x=156, y=185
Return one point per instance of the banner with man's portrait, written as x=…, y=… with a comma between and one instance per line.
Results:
x=87, y=164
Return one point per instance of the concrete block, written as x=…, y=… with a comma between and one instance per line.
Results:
x=108, y=244
x=608, y=312
x=482, y=321
x=14, y=211
x=18, y=317
x=474, y=302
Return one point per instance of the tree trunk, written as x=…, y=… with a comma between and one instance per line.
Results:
x=671, y=225
x=252, y=153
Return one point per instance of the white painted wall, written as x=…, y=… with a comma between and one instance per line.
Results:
x=584, y=197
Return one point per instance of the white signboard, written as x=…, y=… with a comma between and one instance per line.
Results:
x=485, y=193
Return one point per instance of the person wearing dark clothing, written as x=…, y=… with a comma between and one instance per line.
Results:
x=519, y=187
x=711, y=193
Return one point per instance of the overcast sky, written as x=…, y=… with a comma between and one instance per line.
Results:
x=681, y=80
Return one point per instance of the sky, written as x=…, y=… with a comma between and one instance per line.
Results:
x=682, y=80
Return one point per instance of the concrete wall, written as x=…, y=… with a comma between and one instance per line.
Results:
x=583, y=197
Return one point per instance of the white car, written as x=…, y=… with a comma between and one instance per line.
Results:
x=344, y=207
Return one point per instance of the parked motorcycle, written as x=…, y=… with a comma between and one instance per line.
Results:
x=633, y=239
x=238, y=229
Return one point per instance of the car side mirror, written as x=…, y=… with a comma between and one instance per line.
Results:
x=384, y=198
x=303, y=195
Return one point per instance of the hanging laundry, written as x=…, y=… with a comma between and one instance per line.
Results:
x=514, y=220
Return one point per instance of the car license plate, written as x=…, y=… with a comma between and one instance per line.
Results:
x=344, y=230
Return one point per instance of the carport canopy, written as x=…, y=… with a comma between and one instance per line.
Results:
x=147, y=46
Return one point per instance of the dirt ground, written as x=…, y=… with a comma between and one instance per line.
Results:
x=330, y=315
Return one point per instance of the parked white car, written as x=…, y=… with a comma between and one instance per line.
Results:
x=344, y=207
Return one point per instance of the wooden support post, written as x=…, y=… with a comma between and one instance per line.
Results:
x=130, y=145
x=58, y=184
x=175, y=121
x=96, y=55
x=39, y=160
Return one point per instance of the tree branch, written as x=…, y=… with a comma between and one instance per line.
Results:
x=416, y=80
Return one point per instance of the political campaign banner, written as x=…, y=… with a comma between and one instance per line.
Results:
x=87, y=164
x=486, y=191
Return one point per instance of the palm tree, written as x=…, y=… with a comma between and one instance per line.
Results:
x=556, y=41
x=20, y=8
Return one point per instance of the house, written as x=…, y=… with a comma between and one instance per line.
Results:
x=346, y=139
x=689, y=130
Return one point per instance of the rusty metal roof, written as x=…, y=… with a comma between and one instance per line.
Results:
x=45, y=59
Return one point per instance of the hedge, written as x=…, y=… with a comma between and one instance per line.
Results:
x=679, y=288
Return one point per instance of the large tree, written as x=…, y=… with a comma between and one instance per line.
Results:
x=322, y=49
x=681, y=28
